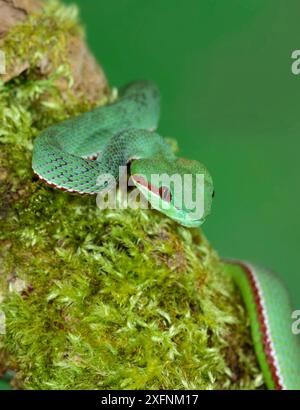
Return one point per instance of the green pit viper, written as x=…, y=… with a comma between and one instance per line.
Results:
x=71, y=155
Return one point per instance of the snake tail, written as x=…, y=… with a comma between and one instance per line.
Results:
x=269, y=309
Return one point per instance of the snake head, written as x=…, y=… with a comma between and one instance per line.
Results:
x=181, y=189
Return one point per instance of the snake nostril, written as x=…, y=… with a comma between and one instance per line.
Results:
x=213, y=194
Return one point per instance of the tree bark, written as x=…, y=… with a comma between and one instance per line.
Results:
x=15, y=11
x=89, y=78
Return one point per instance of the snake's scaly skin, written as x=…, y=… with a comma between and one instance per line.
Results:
x=269, y=309
x=122, y=132
x=61, y=152
x=118, y=134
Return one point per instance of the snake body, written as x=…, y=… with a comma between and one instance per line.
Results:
x=268, y=306
x=119, y=134
x=122, y=133
x=62, y=153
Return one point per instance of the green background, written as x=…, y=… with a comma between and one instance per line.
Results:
x=230, y=99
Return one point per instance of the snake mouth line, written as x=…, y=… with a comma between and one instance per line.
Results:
x=263, y=323
x=162, y=192
x=142, y=181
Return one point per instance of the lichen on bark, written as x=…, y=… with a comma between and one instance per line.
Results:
x=96, y=299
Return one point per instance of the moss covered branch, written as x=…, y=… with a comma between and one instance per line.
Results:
x=94, y=299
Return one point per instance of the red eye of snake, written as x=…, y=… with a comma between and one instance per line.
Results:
x=165, y=193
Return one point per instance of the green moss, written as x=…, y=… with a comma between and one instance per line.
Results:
x=118, y=299
x=102, y=299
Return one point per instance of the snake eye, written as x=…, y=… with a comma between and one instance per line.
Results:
x=165, y=193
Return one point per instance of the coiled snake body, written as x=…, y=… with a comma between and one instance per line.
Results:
x=123, y=133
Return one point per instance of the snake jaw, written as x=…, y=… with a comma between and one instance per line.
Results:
x=153, y=195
